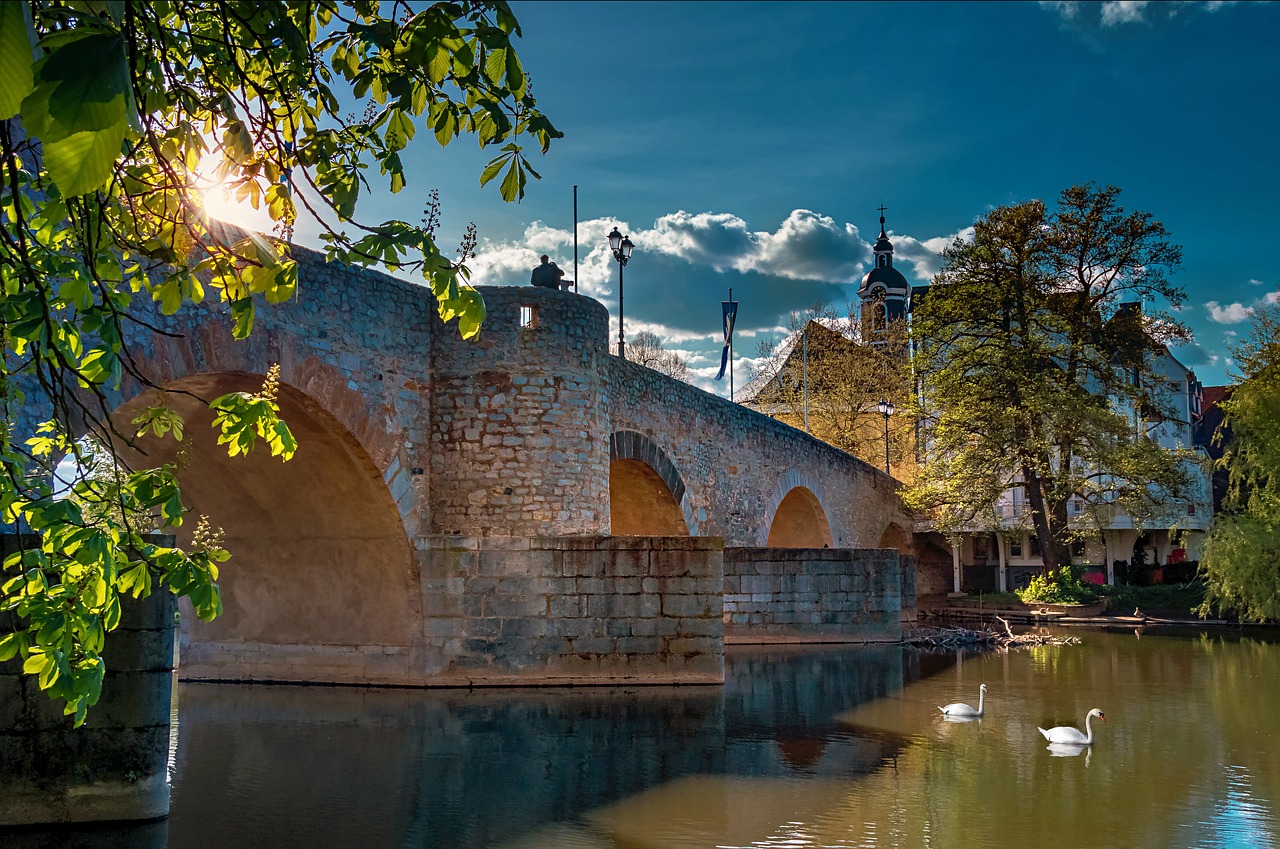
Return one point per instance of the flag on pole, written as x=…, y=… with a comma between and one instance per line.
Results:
x=730, y=310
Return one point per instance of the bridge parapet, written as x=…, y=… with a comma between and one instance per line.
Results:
x=520, y=436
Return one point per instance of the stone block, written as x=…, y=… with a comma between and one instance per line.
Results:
x=133, y=700
x=505, y=605
x=686, y=606
x=572, y=628
x=639, y=645
x=592, y=645
x=654, y=627
x=132, y=651
x=567, y=606
x=712, y=627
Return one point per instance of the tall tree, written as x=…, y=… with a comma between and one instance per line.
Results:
x=1241, y=563
x=646, y=349
x=108, y=110
x=1035, y=368
x=827, y=370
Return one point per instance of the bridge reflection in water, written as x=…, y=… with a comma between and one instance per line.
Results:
x=801, y=747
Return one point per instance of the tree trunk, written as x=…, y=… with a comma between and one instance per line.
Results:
x=1040, y=520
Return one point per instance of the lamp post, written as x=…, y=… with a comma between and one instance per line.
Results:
x=622, y=248
x=886, y=410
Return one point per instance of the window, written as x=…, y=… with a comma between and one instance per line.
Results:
x=1015, y=546
x=980, y=550
x=528, y=316
x=1077, y=548
x=1035, y=546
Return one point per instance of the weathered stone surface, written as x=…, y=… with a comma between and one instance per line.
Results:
x=112, y=767
x=812, y=595
x=446, y=490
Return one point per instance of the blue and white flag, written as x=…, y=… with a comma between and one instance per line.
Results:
x=730, y=309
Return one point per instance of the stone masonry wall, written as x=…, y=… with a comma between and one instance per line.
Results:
x=112, y=767
x=737, y=465
x=811, y=595
x=355, y=342
x=561, y=610
x=520, y=444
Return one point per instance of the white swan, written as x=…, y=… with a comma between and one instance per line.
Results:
x=1067, y=734
x=962, y=709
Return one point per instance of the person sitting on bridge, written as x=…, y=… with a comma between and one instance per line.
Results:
x=547, y=275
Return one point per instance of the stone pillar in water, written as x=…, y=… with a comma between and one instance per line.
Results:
x=114, y=767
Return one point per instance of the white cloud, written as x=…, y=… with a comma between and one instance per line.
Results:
x=1229, y=314
x=1253, y=281
x=806, y=246
x=926, y=257
x=1237, y=312
x=1067, y=9
x=684, y=263
x=1115, y=12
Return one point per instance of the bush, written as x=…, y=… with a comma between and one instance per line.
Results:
x=1060, y=586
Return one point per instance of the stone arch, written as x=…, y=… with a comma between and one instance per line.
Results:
x=799, y=519
x=896, y=536
x=647, y=496
x=321, y=562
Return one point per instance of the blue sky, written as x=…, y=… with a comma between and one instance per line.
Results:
x=747, y=145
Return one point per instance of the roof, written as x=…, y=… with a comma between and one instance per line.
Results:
x=889, y=277
x=817, y=329
x=1212, y=395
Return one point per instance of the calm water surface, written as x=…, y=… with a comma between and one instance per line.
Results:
x=801, y=748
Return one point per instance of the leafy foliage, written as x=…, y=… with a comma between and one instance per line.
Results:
x=1036, y=369
x=109, y=109
x=1241, y=562
x=827, y=366
x=1059, y=586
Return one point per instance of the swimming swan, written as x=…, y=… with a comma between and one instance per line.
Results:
x=962, y=709
x=1067, y=734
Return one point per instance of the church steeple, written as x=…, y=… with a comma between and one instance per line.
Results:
x=883, y=293
x=883, y=248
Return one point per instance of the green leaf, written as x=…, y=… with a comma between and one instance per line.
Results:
x=82, y=85
x=11, y=644
x=513, y=183
x=16, y=37
x=83, y=162
x=495, y=65
x=491, y=170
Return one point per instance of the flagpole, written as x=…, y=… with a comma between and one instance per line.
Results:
x=575, y=238
x=731, y=352
x=804, y=334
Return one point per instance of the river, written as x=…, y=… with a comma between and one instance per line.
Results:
x=802, y=747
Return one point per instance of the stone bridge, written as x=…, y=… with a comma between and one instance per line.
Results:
x=525, y=508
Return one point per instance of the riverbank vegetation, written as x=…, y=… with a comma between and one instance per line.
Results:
x=1241, y=562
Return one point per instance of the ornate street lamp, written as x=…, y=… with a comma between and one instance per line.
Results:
x=622, y=248
x=886, y=410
